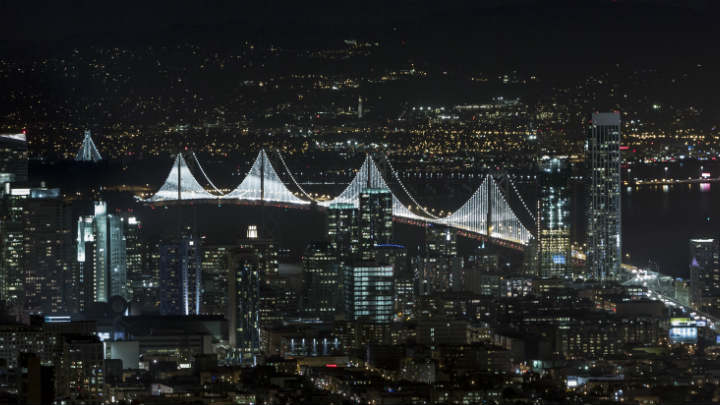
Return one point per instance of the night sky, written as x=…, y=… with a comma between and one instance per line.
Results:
x=509, y=31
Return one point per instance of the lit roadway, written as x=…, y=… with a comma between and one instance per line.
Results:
x=652, y=281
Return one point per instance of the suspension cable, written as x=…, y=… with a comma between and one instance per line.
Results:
x=205, y=175
x=282, y=160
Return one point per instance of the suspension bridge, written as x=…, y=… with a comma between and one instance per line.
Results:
x=486, y=214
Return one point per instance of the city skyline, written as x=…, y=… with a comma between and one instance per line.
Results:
x=508, y=202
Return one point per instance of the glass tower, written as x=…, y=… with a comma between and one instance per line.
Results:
x=343, y=231
x=101, y=255
x=705, y=275
x=369, y=293
x=375, y=220
x=321, y=282
x=603, y=161
x=244, y=303
x=180, y=277
x=554, y=221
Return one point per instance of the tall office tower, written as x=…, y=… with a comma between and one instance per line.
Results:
x=441, y=265
x=48, y=252
x=13, y=217
x=214, y=284
x=705, y=275
x=265, y=251
x=83, y=276
x=375, y=223
x=13, y=158
x=244, y=303
x=369, y=293
x=405, y=295
x=554, y=218
x=321, y=284
x=146, y=296
x=343, y=233
x=603, y=161
x=180, y=277
x=101, y=255
x=133, y=255
x=360, y=107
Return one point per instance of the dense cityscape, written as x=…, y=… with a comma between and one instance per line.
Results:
x=222, y=204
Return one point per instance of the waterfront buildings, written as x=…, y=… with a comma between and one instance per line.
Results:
x=705, y=275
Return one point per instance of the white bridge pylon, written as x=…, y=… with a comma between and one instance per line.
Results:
x=262, y=183
x=486, y=212
x=181, y=185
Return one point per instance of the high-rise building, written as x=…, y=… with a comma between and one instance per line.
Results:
x=13, y=219
x=102, y=255
x=441, y=267
x=48, y=252
x=264, y=250
x=369, y=293
x=13, y=158
x=180, y=275
x=244, y=303
x=146, y=292
x=133, y=255
x=705, y=275
x=321, y=292
x=214, y=280
x=343, y=233
x=603, y=160
x=375, y=225
x=554, y=218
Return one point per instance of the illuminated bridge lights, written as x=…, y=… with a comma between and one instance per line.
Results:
x=262, y=184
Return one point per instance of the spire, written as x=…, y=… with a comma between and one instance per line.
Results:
x=88, y=152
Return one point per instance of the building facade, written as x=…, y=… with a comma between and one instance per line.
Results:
x=180, y=276
x=375, y=225
x=554, y=218
x=369, y=293
x=102, y=256
x=604, y=244
x=705, y=275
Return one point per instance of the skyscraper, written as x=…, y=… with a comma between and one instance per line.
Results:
x=180, y=276
x=13, y=218
x=554, y=218
x=322, y=296
x=48, y=252
x=369, y=293
x=343, y=233
x=214, y=280
x=104, y=273
x=441, y=267
x=603, y=162
x=244, y=303
x=133, y=255
x=705, y=275
x=375, y=223
x=13, y=158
